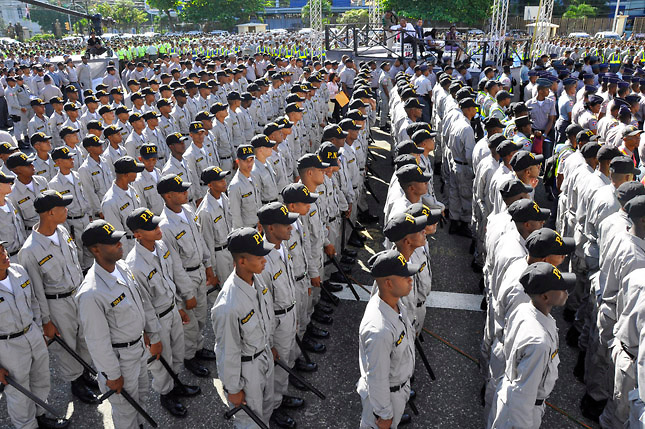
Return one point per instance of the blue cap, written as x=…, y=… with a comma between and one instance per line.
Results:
x=533, y=73
x=544, y=82
x=622, y=84
x=591, y=89
x=627, y=78
x=612, y=80
x=603, y=66
x=588, y=76
x=595, y=99
x=569, y=81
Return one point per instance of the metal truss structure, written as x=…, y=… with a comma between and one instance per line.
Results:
x=542, y=30
x=498, y=31
x=375, y=13
x=316, y=37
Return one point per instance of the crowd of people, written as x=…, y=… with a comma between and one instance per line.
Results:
x=195, y=190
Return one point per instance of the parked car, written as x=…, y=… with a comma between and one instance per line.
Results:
x=607, y=35
x=580, y=35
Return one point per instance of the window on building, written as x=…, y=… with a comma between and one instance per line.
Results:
x=21, y=13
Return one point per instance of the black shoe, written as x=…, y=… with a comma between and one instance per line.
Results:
x=464, y=230
x=90, y=380
x=351, y=253
x=292, y=402
x=482, y=285
x=172, y=404
x=347, y=269
x=205, y=354
x=347, y=260
x=321, y=317
x=324, y=308
x=335, y=277
x=454, y=227
x=473, y=245
x=297, y=383
x=324, y=297
x=317, y=332
x=405, y=419
x=282, y=420
x=185, y=390
x=304, y=366
x=572, y=337
x=591, y=408
x=196, y=368
x=579, y=369
x=355, y=242
x=311, y=346
x=45, y=422
x=367, y=218
x=82, y=392
x=476, y=267
x=569, y=315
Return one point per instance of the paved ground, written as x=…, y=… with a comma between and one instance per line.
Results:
x=452, y=401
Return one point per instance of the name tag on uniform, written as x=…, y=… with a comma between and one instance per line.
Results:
x=246, y=318
x=66, y=191
x=1, y=299
x=247, y=195
x=152, y=273
x=45, y=259
x=165, y=256
x=124, y=206
x=200, y=159
x=554, y=354
x=181, y=234
x=293, y=246
x=40, y=172
x=423, y=266
x=25, y=284
x=24, y=200
x=313, y=213
x=118, y=300
x=217, y=219
x=147, y=188
x=276, y=275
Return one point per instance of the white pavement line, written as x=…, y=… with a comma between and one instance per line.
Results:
x=436, y=299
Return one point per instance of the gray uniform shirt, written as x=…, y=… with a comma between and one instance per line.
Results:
x=244, y=200
x=183, y=237
x=23, y=198
x=96, y=178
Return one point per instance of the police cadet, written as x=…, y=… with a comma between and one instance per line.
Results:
x=114, y=313
x=67, y=182
x=243, y=323
x=43, y=162
x=278, y=276
x=531, y=349
x=178, y=164
x=263, y=173
x=162, y=280
x=121, y=198
x=298, y=199
x=50, y=256
x=198, y=156
x=95, y=175
x=182, y=236
x=39, y=122
x=136, y=139
x=152, y=134
x=24, y=354
x=312, y=172
x=146, y=183
x=25, y=190
x=386, y=344
x=12, y=227
x=243, y=193
x=223, y=137
x=215, y=221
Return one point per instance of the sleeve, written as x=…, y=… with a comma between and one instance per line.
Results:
x=112, y=216
x=152, y=327
x=235, y=203
x=27, y=260
x=205, y=225
x=95, y=327
x=377, y=372
x=532, y=360
x=227, y=348
x=182, y=281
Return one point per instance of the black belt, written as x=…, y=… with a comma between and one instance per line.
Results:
x=420, y=304
x=268, y=201
x=626, y=350
x=301, y=277
x=217, y=249
x=225, y=157
x=14, y=253
x=355, y=187
x=284, y=310
x=75, y=217
x=398, y=386
x=331, y=219
x=15, y=334
x=124, y=345
x=60, y=295
x=250, y=358
x=459, y=162
x=193, y=268
x=539, y=402
x=167, y=310
x=361, y=169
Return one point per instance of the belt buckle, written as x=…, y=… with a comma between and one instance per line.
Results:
x=24, y=331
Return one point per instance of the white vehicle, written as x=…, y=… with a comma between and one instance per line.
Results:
x=580, y=35
x=278, y=31
x=305, y=31
x=607, y=35
x=8, y=40
x=219, y=32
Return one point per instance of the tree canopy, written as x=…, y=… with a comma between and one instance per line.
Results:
x=124, y=13
x=225, y=12
x=354, y=17
x=580, y=10
x=470, y=12
x=326, y=11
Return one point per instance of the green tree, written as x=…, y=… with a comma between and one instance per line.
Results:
x=356, y=16
x=326, y=11
x=580, y=10
x=226, y=13
x=46, y=17
x=164, y=6
x=123, y=12
x=469, y=12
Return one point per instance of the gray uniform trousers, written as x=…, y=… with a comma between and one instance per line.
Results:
x=259, y=394
x=75, y=228
x=132, y=364
x=284, y=341
x=172, y=340
x=193, y=338
x=399, y=399
x=27, y=361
